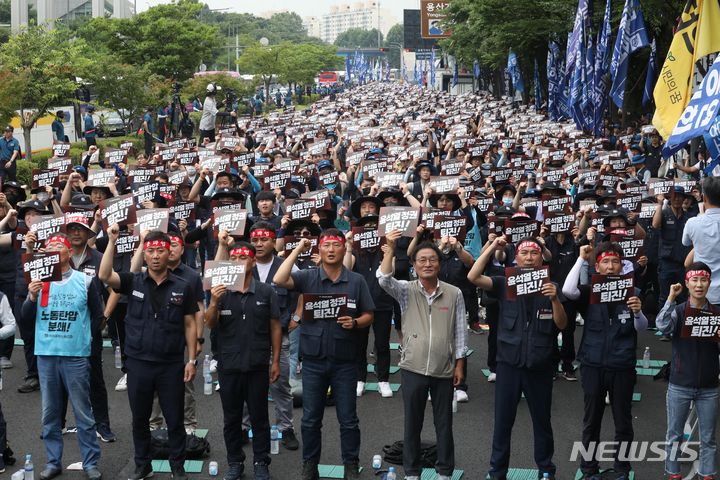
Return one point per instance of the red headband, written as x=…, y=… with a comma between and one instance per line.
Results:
x=58, y=238
x=607, y=253
x=332, y=238
x=156, y=243
x=696, y=273
x=242, y=252
x=176, y=238
x=262, y=233
x=528, y=244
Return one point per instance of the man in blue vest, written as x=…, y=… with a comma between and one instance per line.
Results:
x=329, y=349
x=66, y=314
x=9, y=154
x=525, y=355
x=249, y=332
x=160, y=323
x=58, y=129
x=89, y=131
x=606, y=356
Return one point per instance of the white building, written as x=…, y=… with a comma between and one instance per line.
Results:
x=50, y=10
x=367, y=15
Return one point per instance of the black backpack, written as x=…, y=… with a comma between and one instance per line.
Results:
x=195, y=447
x=394, y=454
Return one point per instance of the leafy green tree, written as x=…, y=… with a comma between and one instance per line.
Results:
x=196, y=87
x=359, y=37
x=394, y=38
x=263, y=62
x=48, y=63
x=10, y=84
x=301, y=63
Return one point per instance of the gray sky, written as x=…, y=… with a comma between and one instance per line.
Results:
x=301, y=7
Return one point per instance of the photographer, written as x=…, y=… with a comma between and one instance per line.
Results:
x=209, y=112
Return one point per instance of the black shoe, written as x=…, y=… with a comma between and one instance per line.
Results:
x=145, y=471
x=569, y=376
x=50, y=473
x=245, y=439
x=31, y=384
x=178, y=473
x=310, y=471
x=289, y=440
x=235, y=471
x=105, y=434
x=93, y=474
x=352, y=471
x=261, y=471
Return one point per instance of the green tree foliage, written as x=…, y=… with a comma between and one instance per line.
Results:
x=358, y=37
x=169, y=39
x=48, y=63
x=394, y=38
x=196, y=87
x=10, y=102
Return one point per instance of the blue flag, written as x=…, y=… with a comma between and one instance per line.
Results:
x=456, y=74
x=404, y=72
x=514, y=72
x=582, y=24
x=432, y=68
x=538, y=88
x=576, y=85
x=602, y=58
x=476, y=69
x=588, y=91
x=712, y=142
x=347, y=69
x=553, y=76
x=631, y=36
x=700, y=113
x=651, y=75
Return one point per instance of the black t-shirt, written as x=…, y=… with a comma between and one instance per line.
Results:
x=159, y=293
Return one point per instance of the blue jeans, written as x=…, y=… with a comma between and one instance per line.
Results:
x=294, y=351
x=342, y=377
x=678, y=408
x=71, y=374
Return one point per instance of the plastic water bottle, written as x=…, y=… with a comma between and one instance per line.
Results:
x=377, y=462
x=646, y=358
x=546, y=476
x=213, y=469
x=206, y=366
x=391, y=474
x=274, y=441
x=454, y=402
x=29, y=470
x=118, y=357
x=207, y=384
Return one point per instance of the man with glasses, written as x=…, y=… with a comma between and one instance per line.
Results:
x=427, y=364
x=329, y=349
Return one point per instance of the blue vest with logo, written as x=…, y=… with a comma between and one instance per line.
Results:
x=63, y=327
x=608, y=341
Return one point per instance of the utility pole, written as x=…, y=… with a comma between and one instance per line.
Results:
x=237, y=52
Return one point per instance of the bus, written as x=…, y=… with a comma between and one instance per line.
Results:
x=327, y=78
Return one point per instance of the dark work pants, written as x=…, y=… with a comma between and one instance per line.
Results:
x=237, y=389
x=144, y=379
x=90, y=141
x=596, y=382
x=6, y=345
x=397, y=316
x=116, y=325
x=472, y=308
x=492, y=312
x=206, y=134
x=317, y=376
x=28, y=337
x=668, y=274
x=567, y=350
x=3, y=435
x=98, y=393
x=381, y=331
x=148, y=144
x=8, y=173
x=537, y=387
x=415, y=393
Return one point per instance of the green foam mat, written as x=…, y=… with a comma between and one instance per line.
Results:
x=486, y=372
x=107, y=343
x=332, y=471
x=201, y=432
x=637, y=396
x=579, y=475
x=430, y=474
x=373, y=387
x=19, y=342
x=520, y=474
x=191, y=466
x=393, y=368
x=394, y=346
x=648, y=372
x=469, y=352
x=653, y=363
x=250, y=434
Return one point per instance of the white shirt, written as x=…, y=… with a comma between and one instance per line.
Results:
x=207, y=121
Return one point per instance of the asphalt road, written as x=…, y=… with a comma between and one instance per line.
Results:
x=380, y=419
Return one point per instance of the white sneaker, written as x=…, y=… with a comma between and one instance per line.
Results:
x=462, y=396
x=360, y=389
x=412, y=477
x=217, y=387
x=492, y=377
x=579, y=320
x=121, y=384
x=385, y=390
x=607, y=398
x=213, y=366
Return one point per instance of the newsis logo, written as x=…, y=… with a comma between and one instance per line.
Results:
x=634, y=451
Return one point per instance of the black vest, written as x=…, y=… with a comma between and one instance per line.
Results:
x=608, y=341
x=155, y=337
x=285, y=298
x=526, y=332
x=694, y=362
x=366, y=264
x=671, y=247
x=244, y=331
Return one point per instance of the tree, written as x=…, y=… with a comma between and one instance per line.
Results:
x=196, y=87
x=10, y=84
x=127, y=89
x=48, y=63
x=302, y=63
x=169, y=39
x=358, y=37
x=394, y=38
x=263, y=62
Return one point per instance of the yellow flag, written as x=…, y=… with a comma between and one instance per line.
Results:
x=698, y=35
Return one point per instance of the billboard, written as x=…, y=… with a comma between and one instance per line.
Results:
x=432, y=15
x=412, y=39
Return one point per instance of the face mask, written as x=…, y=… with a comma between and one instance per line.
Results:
x=366, y=191
x=507, y=201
